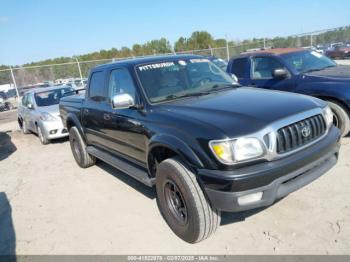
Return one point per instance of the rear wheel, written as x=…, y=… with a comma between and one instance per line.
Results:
x=78, y=146
x=42, y=137
x=341, y=117
x=183, y=204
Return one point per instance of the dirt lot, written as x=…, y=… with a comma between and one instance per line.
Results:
x=48, y=205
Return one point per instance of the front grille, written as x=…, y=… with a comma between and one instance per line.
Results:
x=300, y=133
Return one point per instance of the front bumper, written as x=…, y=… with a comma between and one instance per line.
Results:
x=53, y=129
x=274, y=179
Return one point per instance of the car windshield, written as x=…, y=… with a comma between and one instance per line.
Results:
x=308, y=61
x=52, y=97
x=169, y=80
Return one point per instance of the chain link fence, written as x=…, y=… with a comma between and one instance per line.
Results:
x=29, y=76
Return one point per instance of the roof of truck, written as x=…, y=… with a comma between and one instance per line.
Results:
x=147, y=60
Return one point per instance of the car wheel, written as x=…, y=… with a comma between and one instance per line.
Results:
x=24, y=127
x=42, y=138
x=341, y=117
x=78, y=146
x=183, y=204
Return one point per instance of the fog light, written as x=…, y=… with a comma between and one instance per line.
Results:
x=52, y=132
x=251, y=198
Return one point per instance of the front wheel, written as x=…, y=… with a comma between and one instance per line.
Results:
x=183, y=204
x=341, y=117
x=43, y=139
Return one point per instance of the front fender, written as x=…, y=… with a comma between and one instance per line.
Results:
x=72, y=120
x=175, y=144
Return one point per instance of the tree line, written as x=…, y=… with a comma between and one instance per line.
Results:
x=196, y=41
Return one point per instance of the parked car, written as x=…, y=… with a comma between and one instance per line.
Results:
x=7, y=101
x=300, y=71
x=181, y=124
x=340, y=51
x=39, y=113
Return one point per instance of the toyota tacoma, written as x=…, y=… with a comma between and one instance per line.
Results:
x=207, y=144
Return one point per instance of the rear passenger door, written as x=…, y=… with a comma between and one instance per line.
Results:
x=261, y=74
x=95, y=104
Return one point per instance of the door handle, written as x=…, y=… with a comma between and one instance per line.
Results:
x=106, y=116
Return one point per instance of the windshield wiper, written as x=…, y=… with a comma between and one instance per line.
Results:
x=224, y=86
x=172, y=96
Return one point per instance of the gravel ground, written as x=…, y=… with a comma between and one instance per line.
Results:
x=48, y=205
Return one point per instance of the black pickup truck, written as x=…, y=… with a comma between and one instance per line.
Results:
x=183, y=125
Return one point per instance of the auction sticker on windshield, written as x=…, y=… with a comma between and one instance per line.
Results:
x=199, y=60
x=156, y=66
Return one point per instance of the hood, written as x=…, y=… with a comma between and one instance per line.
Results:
x=340, y=72
x=242, y=110
x=52, y=110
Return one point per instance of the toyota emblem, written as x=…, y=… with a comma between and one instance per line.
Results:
x=306, y=131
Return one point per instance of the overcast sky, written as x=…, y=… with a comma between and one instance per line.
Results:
x=32, y=30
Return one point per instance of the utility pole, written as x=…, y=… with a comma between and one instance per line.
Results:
x=311, y=40
x=227, y=49
x=14, y=82
x=264, y=43
x=81, y=76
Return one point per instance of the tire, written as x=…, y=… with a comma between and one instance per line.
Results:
x=183, y=204
x=42, y=138
x=78, y=146
x=341, y=117
x=24, y=128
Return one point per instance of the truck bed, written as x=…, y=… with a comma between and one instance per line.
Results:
x=71, y=105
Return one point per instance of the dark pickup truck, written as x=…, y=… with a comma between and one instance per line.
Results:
x=182, y=124
x=301, y=71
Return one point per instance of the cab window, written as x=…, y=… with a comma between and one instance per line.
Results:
x=263, y=67
x=120, y=81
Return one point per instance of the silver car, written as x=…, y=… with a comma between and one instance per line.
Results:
x=39, y=113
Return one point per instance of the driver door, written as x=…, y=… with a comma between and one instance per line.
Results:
x=123, y=127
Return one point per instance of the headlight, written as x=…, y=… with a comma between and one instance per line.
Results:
x=47, y=117
x=328, y=116
x=247, y=148
x=238, y=150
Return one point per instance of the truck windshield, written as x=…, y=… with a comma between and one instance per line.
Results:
x=308, y=61
x=169, y=80
x=52, y=97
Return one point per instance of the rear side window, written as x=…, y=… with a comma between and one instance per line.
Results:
x=97, y=90
x=239, y=66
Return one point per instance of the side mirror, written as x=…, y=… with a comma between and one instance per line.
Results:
x=122, y=100
x=30, y=106
x=280, y=73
